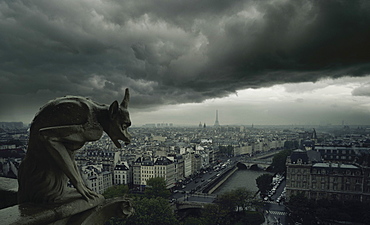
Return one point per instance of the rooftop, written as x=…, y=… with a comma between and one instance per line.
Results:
x=335, y=165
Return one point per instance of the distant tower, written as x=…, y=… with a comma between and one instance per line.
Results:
x=217, y=124
x=200, y=124
x=314, y=135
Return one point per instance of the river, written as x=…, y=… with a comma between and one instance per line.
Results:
x=241, y=178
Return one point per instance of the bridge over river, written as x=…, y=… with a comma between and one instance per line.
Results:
x=256, y=164
x=259, y=162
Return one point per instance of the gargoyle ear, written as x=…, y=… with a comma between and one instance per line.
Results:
x=113, y=110
x=126, y=99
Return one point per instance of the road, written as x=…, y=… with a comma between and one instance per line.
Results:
x=276, y=213
x=190, y=191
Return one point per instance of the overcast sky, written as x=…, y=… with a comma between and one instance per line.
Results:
x=257, y=62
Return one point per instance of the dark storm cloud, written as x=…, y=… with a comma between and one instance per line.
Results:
x=172, y=52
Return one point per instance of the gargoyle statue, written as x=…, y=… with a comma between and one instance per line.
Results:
x=60, y=128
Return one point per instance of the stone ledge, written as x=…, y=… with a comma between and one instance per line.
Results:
x=31, y=213
x=8, y=184
x=71, y=209
x=8, y=192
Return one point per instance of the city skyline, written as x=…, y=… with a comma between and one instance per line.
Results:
x=256, y=62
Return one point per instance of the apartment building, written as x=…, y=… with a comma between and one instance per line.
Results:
x=326, y=180
x=144, y=169
x=122, y=174
x=107, y=158
x=96, y=178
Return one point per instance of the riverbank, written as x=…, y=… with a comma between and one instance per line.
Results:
x=222, y=180
x=217, y=179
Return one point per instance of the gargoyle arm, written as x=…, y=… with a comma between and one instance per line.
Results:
x=56, y=139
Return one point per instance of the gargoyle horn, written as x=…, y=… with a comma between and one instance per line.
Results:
x=126, y=99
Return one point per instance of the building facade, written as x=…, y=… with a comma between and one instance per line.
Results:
x=96, y=178
x=326, y=180
x=145, y=169
x=122, y=174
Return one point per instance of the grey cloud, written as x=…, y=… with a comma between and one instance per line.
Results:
x=171, y=52
x=363, y=90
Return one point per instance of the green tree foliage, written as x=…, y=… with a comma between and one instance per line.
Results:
x=226, y=150
x=251, y=218
x=302, y=208
x=214, y=214
x=156, y=187
x=328, y=210
x=264, y=182
x=279, y=160
x=291, y=145
x=149, y=211
x=116, y=191
x=193, y=221
x=231, y=207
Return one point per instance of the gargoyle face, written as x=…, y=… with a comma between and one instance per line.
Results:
x=119, y=121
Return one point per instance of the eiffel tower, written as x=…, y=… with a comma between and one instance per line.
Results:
x=217, y=124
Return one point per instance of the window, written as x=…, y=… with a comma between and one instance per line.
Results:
x=335, y=187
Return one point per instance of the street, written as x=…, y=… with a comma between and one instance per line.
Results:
x=274, y=212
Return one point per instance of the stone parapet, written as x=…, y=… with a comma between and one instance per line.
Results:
x=8, y=192
x=71, y=210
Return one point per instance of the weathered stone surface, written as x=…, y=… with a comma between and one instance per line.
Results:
x=60, y=128
x=117, y=207
x=8, y=184
x=8, y=192
x=33, y=213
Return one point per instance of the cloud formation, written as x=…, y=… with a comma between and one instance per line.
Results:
x=170, y=52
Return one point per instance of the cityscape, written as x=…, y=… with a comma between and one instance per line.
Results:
x=185, y=112
x=197, y=162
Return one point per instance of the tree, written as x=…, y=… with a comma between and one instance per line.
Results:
x=291, y=145
x=116, y=191
x=233, y=205
x=193, y=221
x=303, y=209
x=226, y=150
x=213, y=214
x=150, y=211
x=156, y=187
x=251, y=218
x=264, y=182
x=236, y=200
x=279, y=160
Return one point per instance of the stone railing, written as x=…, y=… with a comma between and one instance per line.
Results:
x=71, y=210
